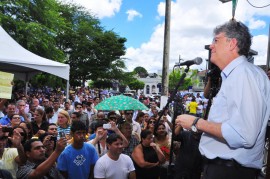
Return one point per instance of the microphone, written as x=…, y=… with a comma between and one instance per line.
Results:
x=197, y=61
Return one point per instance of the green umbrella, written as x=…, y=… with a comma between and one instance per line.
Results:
x=121, y=102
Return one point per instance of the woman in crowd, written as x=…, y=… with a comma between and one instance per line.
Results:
x=63, y=123
x=162, y=139
x=140, y=119
x=147, y=157
x=40, y=124
x=15, y=120
x=99, y=141
x=28, y=128
x=145, y=120
x=151, y=124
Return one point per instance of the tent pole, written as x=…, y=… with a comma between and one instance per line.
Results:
x=67, y=92
x=26, y=83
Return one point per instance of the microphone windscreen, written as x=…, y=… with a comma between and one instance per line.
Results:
x=198, y=60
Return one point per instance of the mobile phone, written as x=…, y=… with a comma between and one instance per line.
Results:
x=7, y=129
x=62, y=134
x=107, y=126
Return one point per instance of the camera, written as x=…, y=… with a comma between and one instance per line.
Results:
x=7, y=129
x=107, y=126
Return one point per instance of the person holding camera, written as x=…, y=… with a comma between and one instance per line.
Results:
x=233, y=136
x=11, y=157
x=101, y=135
x=37, y=165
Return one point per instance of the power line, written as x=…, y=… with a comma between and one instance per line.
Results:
x=258, y=6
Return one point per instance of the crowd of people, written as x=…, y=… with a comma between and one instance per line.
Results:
x=39, y=130
x=44, y=135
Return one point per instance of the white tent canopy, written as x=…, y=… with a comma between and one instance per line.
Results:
x=23, y=63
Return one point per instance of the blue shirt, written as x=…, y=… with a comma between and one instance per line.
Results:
x=77, y=162
x=6, y=120
x=242, y=106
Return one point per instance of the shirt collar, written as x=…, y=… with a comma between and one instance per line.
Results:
x=231, y=66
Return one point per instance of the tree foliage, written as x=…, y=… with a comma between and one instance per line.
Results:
x=141, y=71
x=136, y=85
x=175, y=76
x=65, y=33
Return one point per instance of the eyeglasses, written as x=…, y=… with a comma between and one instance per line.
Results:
x=129, y=113
x=21, y=105
x=16, y=118
x=112, y=117
x=152, y=122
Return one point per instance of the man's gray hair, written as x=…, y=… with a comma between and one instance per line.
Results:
x=239, y=31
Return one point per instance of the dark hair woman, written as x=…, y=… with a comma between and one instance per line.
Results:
x=147, y=157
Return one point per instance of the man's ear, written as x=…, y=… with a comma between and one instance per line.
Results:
x=233, y=44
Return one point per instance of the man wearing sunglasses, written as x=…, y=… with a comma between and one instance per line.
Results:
x=136, y=128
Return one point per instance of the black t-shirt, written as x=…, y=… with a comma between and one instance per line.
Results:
x=189, y=161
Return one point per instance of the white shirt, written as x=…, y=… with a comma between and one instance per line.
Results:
x=113, y=169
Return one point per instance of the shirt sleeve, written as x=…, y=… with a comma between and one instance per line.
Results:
x=99, y=171
x=245, y=110
x=131, y=165
x=62, y=162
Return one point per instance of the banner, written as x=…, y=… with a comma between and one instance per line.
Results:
x=6, y=85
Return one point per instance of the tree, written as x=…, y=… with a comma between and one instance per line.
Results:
x=102, y=84
x=176, y=75
x=136, y=85
x=142, y=72
x=65, y=33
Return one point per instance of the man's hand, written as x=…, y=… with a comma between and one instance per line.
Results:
x=16, y=138
x=185, y=121
x=113, y=127
x=61, y=144
x=100, y=134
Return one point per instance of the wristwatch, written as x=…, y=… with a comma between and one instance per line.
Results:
x=193, y=127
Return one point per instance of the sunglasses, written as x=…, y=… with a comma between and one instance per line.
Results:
x=112, y=117
x=152, y=122
x=53, y=129
x=22, y=133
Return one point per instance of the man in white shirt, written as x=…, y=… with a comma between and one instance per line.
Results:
x=124, y=167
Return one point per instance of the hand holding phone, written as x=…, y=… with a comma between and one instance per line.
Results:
x=107, y=126
x=62, y=134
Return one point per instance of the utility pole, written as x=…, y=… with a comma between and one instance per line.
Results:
x=166, y=50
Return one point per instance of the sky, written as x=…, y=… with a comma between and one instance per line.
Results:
x=141, y=22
